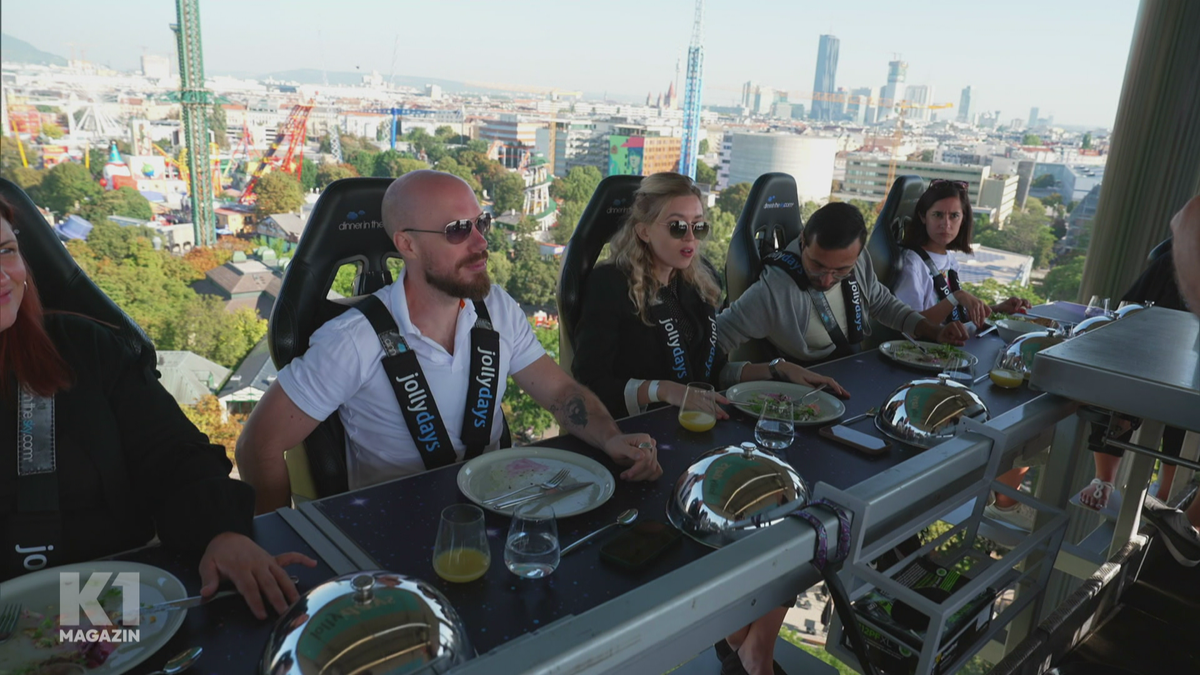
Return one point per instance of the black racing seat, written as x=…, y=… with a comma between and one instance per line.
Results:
x=346, y=227
x=770, y=220
x=605, y=212
x=883, y=245
x=61, y=284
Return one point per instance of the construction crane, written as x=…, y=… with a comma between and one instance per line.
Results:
x=898, y=136
x=282, y=155
x=396, y=113
x=690, y=146
x=195, y=101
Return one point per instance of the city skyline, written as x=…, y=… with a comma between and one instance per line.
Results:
x=628, y=63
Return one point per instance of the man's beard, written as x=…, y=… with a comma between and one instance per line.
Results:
x=475, y=289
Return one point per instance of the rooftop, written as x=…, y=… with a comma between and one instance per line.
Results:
x=256, y=372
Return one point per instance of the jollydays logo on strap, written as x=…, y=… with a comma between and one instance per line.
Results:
x=418, y=399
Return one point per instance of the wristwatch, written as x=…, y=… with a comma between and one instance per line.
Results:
x=773, y=366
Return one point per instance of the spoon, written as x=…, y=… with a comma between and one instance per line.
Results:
x=180, y=662
x=626, y=517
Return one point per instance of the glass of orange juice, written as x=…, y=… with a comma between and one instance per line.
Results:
x=699, y=409
x=1009, y=370
x=461, y=553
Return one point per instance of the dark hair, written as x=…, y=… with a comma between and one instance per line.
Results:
x=26, y=349
x=835, y=226
x=916, y=233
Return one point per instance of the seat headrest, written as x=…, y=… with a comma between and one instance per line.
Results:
x=604, y=215
x=769, y=221
x=346, y=226
x=62, y=285
x=896, y=214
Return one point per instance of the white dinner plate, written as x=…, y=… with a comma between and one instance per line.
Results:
x=746, y=395
x=495, y=473
x=903, y=352
x=38, y=593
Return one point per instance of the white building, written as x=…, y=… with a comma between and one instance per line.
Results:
x=808, y=159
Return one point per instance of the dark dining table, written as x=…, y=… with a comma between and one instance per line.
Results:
x=232, y=639
x=393, y=525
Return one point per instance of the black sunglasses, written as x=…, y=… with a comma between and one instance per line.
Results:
x=679, y=229
x=458, y=231
x=961, y=184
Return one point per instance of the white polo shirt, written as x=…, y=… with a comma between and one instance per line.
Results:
x=914, y=285
x=343, y=371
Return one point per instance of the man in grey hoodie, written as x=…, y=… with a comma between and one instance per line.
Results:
x=815, y=298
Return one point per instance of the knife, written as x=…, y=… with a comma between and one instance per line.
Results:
x=552, y=492
x=916, y=344
x=193, y=601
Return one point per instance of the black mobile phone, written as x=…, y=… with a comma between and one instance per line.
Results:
x=639, y=544
x=865, y=444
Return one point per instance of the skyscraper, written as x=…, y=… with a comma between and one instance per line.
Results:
x=824, y=82
x=861, y=105
x=894, y=89
x=964, y=106
x=1033, y=117
x=748, y=90
x=919, y=94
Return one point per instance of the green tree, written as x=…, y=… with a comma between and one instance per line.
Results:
x=211, y=419
x=1087, y=141
x=1043, y=181
x=330, y=172
x=52, y=131
x=308, y=175
x=704, y=146
x=579, y=184
x=867, y=209
x=992, y=291
x=278, y=192
x=124, y=201
x=216, y=123
x=1031, y=139
x=27, y=178
x=1052, y=200
x=716, y=247
x=362, y=160
x=1063, y=281
x=206, y=328
x=97, y=158
x=1026, y=233
x=705, y=174
x=568, y=217
x=527, y=420
x=927, y=155
x=733, y=198
x=807, y=209
x=66, y=187
x=508, y=193
x=478, y=146
x=445, y=133
x=392, y=164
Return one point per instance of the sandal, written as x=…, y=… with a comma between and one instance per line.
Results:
x=1103, y=498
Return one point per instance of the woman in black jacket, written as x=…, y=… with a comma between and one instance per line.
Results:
x=648, y=327
x=105, y=459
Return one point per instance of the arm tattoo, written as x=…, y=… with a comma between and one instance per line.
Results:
x=576, y=411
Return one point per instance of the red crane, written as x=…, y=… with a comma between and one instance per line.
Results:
x=286, y=152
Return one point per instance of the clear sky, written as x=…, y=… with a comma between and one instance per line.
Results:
x=1066, y=57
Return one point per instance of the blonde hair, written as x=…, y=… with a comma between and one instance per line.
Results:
x=635, y=257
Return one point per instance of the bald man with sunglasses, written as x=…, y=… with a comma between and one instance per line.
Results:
x=815, y=299
x=418, y=370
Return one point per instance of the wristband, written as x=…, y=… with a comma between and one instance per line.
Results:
x=652, y=392
x=953, y=300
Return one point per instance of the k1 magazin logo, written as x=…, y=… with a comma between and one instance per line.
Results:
x=107, y=609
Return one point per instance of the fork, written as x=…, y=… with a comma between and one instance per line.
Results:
x=554, y=482
x=8, y=621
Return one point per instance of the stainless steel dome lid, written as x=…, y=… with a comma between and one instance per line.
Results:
x=376, y=622
x=1029, y=344
x=926, y=412
x=730, y=492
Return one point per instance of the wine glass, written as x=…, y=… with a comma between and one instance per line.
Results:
x=1008, y=371
x=776, y=424
x=699, y=409
x=461, y=553
x=1097, y=306
x=531, y=550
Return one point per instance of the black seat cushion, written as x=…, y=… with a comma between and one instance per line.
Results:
x=883, y=245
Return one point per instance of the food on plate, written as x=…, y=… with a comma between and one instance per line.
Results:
x=801, y=413
x=939, y=355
